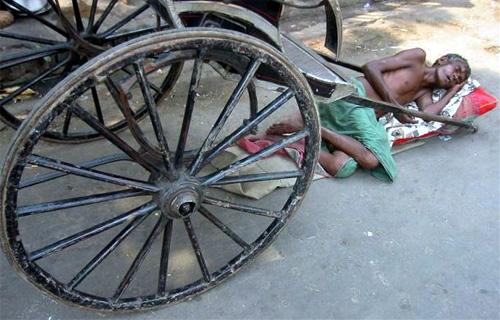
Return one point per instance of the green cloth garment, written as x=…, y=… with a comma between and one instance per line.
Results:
x=360, y=123
x=347, y=169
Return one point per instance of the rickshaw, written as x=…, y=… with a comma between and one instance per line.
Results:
x=147, y=212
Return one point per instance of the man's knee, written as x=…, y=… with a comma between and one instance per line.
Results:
x=368, y=160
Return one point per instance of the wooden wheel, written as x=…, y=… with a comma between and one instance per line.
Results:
x=43, y=49
x=149, y=217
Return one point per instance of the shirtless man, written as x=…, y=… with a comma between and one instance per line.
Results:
x=398, y=79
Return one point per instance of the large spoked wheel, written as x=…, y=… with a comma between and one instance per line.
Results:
x=41, y=50
x=157, y=213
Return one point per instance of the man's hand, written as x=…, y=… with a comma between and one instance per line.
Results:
x=457, y=87
x=405, y=118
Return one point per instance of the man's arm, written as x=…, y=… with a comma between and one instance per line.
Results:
x=374, y=70
x=426, y=105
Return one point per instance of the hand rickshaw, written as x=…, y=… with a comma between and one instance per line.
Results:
x=142, y=215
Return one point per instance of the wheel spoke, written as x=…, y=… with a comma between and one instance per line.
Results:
x=93, y=9
x=106, y=251
x=36, y=17
x=197, y=249
x=97, y=105
x=14, y=60
x=92, y=231
x=123, y=22
x=34, y=81
x=78, y=17
x=193, y=87
x=219, y=224
x=112, y=137
x=90, y=173
x=54, y=175
x=139, y=259
x=165, y=254
x=23, y=37
x=247, y=126
x=104, y=15
x=153, y=114
x=241, y=207
x=77, y=202
x=67, y=121
x=226, y=112
x=212, y=178
x=260, y=177
x=121, y=99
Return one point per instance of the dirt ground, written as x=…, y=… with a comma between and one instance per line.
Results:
x=426, y=246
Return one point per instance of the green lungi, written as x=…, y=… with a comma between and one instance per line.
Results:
x=360, y=123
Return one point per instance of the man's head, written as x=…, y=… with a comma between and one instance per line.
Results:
x=451, y=69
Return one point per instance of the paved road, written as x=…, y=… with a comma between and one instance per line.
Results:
x=425, y=246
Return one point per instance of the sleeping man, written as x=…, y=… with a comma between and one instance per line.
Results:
x=351, y=135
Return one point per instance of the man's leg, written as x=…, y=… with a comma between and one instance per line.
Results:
x=349, y=147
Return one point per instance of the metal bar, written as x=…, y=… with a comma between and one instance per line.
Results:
x=135, y=33
x=216, y=176
x=165, y=253
x=222, y=227
x=104, y=15
x=34, y=81
x=97, y=105
x=155, y=117
x=139, y=259
x=365, y=102
x=186, y=122
x=226, y=112
x=78, y=17
x=259, y=177
x=113, y=138
x=123, y=22
x=27, y=38
x=248, y=126
x=14, y=60
x=54, y=175
x=241, y=207
x=92, y=231
x=197, y=250
x=90, y=173
x=77, y=202
x=341, y=63
x=106, y=251
x=36, y=17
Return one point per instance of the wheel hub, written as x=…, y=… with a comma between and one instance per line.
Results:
x=179, y=199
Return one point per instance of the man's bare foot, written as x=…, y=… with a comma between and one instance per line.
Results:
x=255, y=137
x=6, y=19
x=292, y=124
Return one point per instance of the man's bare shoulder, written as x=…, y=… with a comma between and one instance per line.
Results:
x=415, y=54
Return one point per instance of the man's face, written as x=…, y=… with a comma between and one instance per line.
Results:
x=450, y=74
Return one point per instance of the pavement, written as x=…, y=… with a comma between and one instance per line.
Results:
x=424, y=247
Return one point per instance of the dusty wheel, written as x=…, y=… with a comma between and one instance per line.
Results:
x=131, y=222
x=40, y=50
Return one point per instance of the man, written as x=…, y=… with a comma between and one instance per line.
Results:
x=351, y=134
